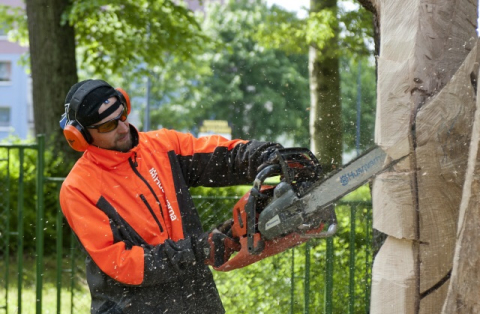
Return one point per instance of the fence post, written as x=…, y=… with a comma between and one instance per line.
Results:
x=351, y=286
x=59, y=233
x=368, y=262
x=307, y=278
x=39, y=223
x=329, y=277
x=292, y=287
x=20, y=230
x=7, y=230
x=73, y=267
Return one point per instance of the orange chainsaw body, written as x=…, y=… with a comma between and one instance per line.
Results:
x=263, y=248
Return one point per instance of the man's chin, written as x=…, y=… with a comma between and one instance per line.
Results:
x=124, y=145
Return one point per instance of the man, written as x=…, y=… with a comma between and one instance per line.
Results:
x=127, y=201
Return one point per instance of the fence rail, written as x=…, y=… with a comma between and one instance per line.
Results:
x=71, y=295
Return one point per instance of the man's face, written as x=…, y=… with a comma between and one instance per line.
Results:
x=119, y=139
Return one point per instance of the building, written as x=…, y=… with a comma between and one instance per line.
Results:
x=16, y=111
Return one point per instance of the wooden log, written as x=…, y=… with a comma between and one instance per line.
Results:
x=422, y=115
x=443, y=131
x=392, y=202
x=464, y=285
x=394, y=273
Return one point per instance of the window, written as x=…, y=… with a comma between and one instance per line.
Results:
x=4, y=116
x=5, y=71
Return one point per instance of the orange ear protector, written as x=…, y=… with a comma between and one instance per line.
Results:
x=124, y=98
x=77, y=136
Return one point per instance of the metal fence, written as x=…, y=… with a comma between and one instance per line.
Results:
x=321, y=276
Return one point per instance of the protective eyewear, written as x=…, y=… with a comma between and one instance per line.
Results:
x=112, y=124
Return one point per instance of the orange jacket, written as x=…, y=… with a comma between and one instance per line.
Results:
x=133, y=214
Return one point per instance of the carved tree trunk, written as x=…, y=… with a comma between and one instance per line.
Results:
x=463, y=292
x=425, y=109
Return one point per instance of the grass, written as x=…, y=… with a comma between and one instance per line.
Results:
x=80, y=296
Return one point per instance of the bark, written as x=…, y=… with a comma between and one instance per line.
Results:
x=53, y=67
x=325, y=106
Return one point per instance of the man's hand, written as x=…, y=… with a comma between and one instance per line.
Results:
x=216, y=247
x=269, y=157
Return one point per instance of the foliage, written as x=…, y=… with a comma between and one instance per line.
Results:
x=10, y=177
x=14, y=22
x=113, y=37
x=215, y=205
x=80, y=298
x=120, y=35
x=283, y=30
x=263, y=93
x=356, y=37
x=350, y=80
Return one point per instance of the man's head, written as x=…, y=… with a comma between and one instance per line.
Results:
x=99, y=112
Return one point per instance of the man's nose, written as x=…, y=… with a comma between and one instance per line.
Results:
x=123, y=126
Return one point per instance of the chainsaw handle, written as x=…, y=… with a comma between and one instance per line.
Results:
x=264, y=174
x=250, y=209
x=255, y=247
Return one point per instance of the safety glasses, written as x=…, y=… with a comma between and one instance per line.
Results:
x=112, y=124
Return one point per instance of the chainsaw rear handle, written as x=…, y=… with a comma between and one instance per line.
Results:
x=251, y=207
x=265, y=173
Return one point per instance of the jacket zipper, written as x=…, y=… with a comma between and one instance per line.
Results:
x=133, y=164
x=151, y=211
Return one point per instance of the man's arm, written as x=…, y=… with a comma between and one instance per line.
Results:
x=214, y=161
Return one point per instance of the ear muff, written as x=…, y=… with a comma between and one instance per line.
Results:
x=77, y=137
x=124, y=98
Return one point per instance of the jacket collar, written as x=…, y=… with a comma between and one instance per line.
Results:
x=112, y=159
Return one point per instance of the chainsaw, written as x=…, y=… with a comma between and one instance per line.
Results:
x=270, y=219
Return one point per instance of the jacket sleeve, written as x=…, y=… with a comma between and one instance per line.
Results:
x=130, y=260
x=214, y=161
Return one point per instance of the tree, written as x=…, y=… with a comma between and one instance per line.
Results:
x=427, y=83
x=53, y=66
x=325, y=107
x=111, y=37
x=320, y=33
x=263, y=93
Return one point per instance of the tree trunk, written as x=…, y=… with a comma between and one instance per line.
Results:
x=425, y=110
x=325, y=107
x=53, y=66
